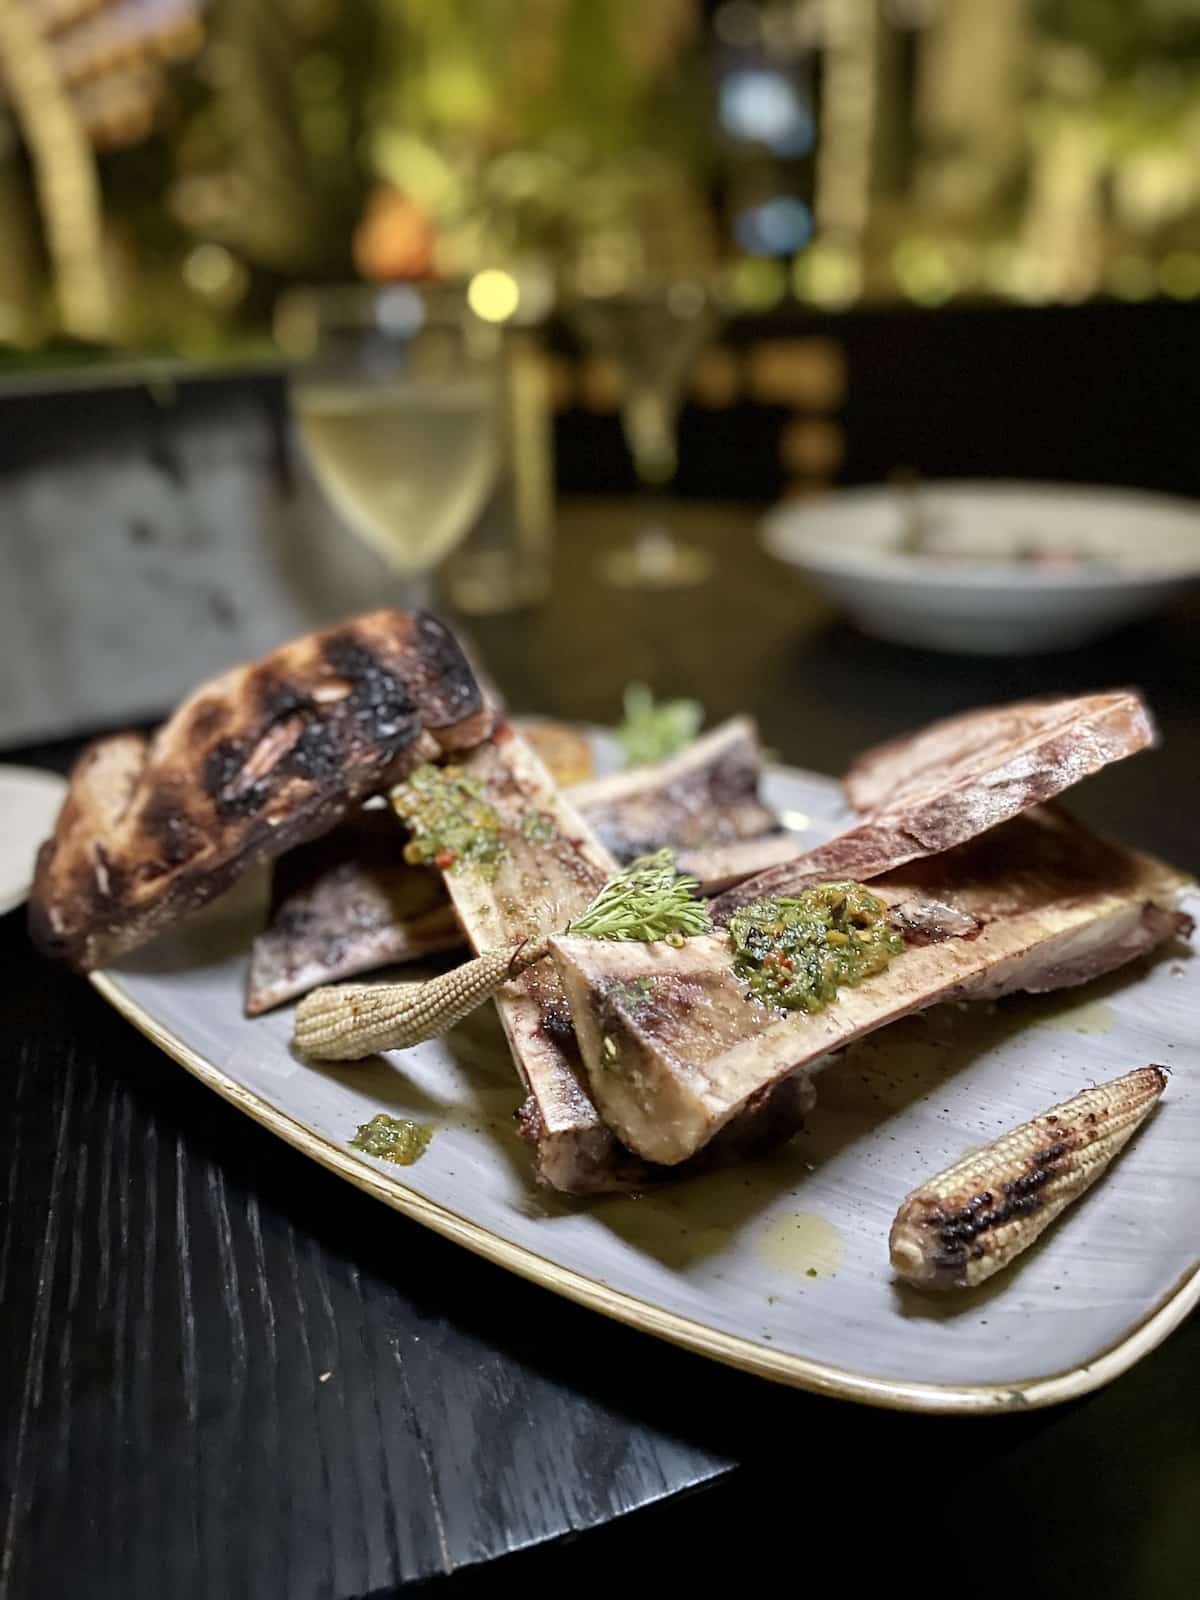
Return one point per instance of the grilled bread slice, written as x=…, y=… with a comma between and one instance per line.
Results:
x=260, y=759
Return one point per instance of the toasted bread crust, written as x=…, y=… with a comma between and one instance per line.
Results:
x=257, y=760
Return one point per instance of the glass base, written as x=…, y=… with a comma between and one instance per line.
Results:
x=484, y=583
x=656, y=560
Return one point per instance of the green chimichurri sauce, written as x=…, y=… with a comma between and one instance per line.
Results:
x=633, y=995
x=797, y=953
x=538, y=828
x=452, y=824
x=394, y=1139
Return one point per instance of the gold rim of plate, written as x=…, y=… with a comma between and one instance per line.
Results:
x=796, y=1371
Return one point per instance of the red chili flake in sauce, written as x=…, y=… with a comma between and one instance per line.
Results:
x=444, y=859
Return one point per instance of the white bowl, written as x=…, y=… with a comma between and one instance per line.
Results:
x=993, y=603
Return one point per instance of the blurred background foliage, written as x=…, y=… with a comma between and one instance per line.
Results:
x=168, y=166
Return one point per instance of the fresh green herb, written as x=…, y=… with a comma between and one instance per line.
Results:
x=632, y=995
x=452, y=823
x=394, y=1139
x=651, y=731
x=648, y=900
x=797, y=953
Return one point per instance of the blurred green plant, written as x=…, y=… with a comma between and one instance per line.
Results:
x=651, y=730
x=1114, y=130
x=1129, y=67
x=270, y=160
x=1126, y=37
x=519, y=125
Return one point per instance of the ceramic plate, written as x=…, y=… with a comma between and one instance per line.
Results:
x=1137, y=552
x=29, y=802
x=778, y=1267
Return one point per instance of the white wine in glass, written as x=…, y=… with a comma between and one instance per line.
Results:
x=398, y=414
x=408, y=467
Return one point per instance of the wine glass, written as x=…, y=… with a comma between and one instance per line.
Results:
x=397, y=404
x=653, y=335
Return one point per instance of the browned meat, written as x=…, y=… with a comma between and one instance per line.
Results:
x=954, y=780
x=253, y=763
x=673, y=1047
x=346, y=904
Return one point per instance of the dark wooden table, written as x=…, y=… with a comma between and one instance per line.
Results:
x=226, y=1373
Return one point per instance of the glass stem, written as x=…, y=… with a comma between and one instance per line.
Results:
x=413, y=591
x=649, y=420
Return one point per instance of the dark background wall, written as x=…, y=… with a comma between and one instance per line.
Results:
x=152, y=531
x=1100, y=393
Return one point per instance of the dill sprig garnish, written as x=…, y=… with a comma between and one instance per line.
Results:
x=647, y=900
x=343, y=1022
x=651, y=731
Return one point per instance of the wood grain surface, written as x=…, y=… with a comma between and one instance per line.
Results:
x=230, y=1374
x=175, y=1285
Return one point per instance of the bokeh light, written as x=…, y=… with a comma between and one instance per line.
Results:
x=760, y=104
x=757, y=283
x=924, y=271
x=829, y=274
x=493, y=295
x=399, y=311
x=778, y=227
x=215, y=274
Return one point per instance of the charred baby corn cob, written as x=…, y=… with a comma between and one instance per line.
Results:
x=646, y=900
x=971, y=1220
x=346, y=1021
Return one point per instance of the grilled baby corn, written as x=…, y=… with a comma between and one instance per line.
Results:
x=976, y=1216
x=346, y=1021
